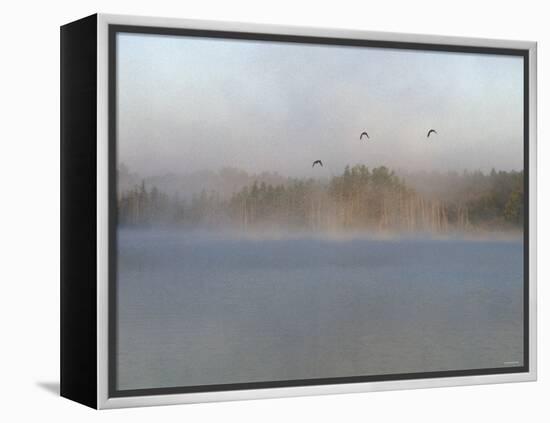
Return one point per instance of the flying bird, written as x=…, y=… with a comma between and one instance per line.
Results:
x=319, y=162
x=363, y=133
x=431, y=131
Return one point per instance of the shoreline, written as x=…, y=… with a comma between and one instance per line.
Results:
x=336, y=236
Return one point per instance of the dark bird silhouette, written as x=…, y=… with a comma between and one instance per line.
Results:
x=363, y=133
x=319, y=162
x=431, y=131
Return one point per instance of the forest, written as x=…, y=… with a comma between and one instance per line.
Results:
x=359, y=199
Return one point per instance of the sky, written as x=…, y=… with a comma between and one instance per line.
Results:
x=187, y=104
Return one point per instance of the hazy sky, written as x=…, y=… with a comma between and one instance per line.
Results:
x=187, y=104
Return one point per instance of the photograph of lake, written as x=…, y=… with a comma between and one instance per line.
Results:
x=292, y=211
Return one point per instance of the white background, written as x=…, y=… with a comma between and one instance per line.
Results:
x=29, y=236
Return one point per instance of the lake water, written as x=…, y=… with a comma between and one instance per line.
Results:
x=197, y=309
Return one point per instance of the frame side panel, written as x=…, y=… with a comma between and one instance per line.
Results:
x=78, y=211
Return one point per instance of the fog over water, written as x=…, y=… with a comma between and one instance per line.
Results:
x=187, y=104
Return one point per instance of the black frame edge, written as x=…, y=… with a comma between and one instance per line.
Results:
x=78, y=172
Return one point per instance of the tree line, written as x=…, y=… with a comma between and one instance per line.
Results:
x=358, y=199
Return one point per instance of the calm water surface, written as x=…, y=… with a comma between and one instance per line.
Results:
x=196, y=309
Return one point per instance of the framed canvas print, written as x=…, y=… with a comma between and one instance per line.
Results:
x=252, y=211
